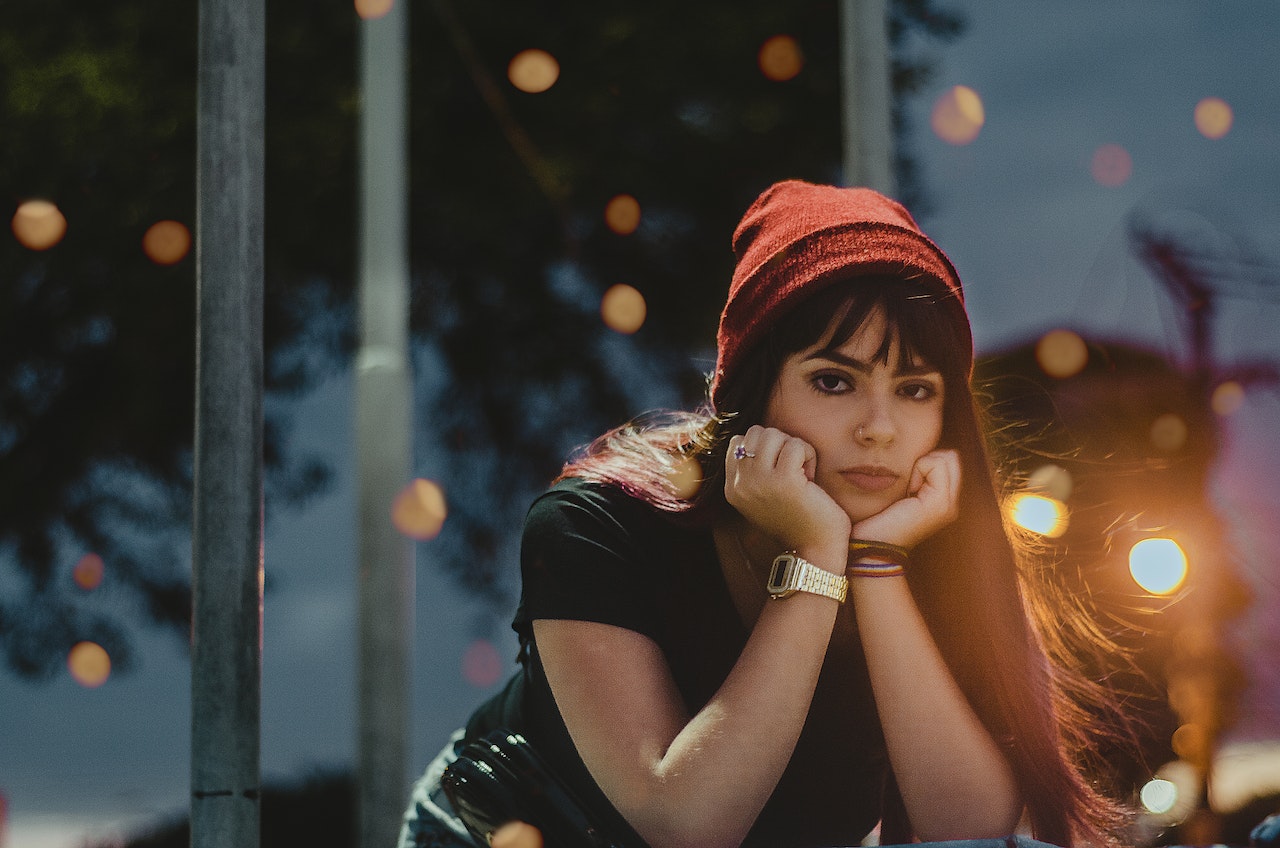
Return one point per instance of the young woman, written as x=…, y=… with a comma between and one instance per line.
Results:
x=796, y=614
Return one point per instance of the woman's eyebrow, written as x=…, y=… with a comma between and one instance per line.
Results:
x=909, y=369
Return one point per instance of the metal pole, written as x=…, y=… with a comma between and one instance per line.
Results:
x=384, y=399
x=867, y=95
x=226, y=637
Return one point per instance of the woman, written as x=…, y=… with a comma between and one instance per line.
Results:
x=718, y=663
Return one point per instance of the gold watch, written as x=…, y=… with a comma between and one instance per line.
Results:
x=791, y=574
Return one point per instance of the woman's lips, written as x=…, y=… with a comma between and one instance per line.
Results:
x=870, y=479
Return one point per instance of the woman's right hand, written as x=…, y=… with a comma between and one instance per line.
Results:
x=773, y=487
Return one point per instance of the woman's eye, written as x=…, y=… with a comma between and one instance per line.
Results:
x=830, y=383
x=918, y=391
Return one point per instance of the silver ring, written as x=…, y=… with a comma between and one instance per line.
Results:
x=741, y=452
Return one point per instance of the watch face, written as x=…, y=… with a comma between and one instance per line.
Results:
x=780, y=576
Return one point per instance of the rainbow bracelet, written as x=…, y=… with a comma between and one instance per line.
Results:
x=877, y=559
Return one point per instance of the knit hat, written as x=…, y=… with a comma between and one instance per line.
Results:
x=797, y=238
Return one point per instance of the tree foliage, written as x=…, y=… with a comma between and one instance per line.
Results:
x=510, y=257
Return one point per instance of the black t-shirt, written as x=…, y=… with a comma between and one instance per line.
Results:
x=594, y=553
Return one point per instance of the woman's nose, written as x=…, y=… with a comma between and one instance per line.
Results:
x=876, y=426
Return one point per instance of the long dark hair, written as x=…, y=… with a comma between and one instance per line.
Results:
x=967, y=579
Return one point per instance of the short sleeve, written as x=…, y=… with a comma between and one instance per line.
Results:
x=586, y=556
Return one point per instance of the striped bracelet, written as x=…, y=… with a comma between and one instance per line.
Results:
x=877, y=559
x=875, y=569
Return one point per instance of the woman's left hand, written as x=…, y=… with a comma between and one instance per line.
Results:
x=932, y=502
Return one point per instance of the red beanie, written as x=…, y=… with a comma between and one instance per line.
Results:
x=799, y=237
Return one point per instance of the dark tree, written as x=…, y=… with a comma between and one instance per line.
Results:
x=511, y=255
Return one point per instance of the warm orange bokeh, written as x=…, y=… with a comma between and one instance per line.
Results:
x=1061, y=353
x=533, y=71
x=685, y=478
x=372, y=9
x=957, y=115
x=1227, y=398
x=516, y=834
x=166, y=242
x=622, y=214
x=89, y=664
x=1213, y=117
x=1168, y=433
x=419, y=510
x=88, y=572
x=780, y=58
x=38, y=224
x=623, y=309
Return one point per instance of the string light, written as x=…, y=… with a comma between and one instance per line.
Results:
x=1040, y=514
x=1158, y=565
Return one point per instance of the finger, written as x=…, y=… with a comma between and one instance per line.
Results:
x=797, y=454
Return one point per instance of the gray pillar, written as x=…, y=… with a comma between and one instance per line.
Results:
x=384, y=456
x=226, y=638
x=867, y=94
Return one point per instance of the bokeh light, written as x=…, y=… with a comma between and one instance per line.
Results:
x=1227, y=398
x=372, y=9
x=87, y=573
x=1159, y=795
x=1052, y=480
x=166, y=242
x=516, y=834
x=419, y=510
x=1168, y=433
x=89, y=664
x=1190, y=741
x=686, y=478
x=38, y=224
x=622, y=214
x=1158, y=565
x=481, y=664
x=1040, y=514
x=1062, y=353
x=1213, y=117
x=780, y=58
x=623, y=308
x=1111, y=165
x=957, y=115
x=533, y=71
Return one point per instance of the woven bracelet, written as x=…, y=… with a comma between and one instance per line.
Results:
x=861, y=550
x=875, y=569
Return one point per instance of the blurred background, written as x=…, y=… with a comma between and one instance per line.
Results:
x=1104, y=176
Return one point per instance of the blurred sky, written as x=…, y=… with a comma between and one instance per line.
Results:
x=1039, y=242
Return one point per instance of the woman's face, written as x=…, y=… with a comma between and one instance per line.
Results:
x=869, y=421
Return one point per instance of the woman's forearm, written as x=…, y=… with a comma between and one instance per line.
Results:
x=955, y=781
x=699, y=780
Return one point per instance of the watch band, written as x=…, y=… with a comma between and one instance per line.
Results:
x=791, y=574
